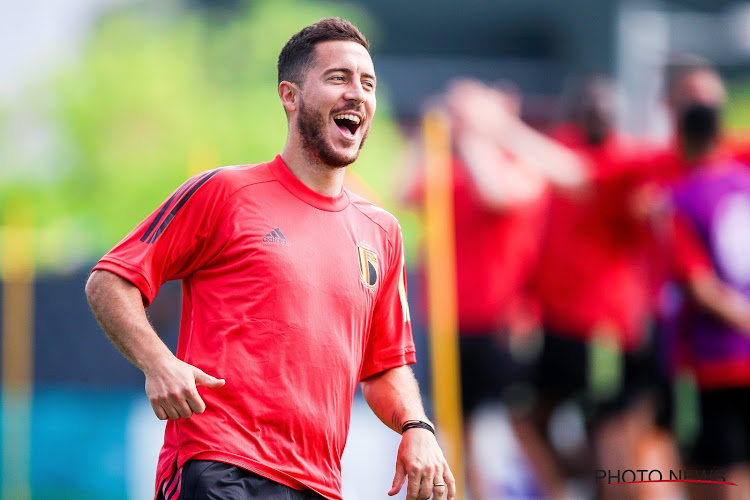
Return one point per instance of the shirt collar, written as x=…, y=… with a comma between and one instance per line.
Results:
x=296, y=187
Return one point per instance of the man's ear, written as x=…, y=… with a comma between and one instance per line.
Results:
x=289, y=94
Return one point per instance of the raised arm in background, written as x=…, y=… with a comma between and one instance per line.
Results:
x=489, y=114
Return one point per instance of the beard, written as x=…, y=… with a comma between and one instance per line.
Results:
x=311, y=125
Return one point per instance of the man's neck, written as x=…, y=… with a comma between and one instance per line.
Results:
x=321, y=178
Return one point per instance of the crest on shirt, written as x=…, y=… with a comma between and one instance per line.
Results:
x=368, y=265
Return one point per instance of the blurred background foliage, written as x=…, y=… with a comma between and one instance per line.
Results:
x=152, y=99
x=737, y=112
x=158, y=92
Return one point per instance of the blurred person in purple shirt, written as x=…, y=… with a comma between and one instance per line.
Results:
x=710, y=247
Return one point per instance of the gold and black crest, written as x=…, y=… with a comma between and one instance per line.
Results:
x=368, y=266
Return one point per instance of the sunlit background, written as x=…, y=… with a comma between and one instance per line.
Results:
x=107, y=105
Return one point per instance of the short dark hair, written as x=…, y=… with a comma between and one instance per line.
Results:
x=298, y=55
x=679, y=65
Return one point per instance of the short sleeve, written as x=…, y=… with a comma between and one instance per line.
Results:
x=173, y=241
x=390, y=343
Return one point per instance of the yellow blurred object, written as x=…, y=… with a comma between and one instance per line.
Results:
x=17, y=255
x=441, y=291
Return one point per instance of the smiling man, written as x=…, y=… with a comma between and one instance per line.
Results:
x=294, y=292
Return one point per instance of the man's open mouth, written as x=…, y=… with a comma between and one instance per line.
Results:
x=348, y=123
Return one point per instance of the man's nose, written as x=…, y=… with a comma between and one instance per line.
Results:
x=355, y=92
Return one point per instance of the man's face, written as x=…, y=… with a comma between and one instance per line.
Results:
x=597, y=109
x=695, y=103
x=701, y=86
x=337, y=103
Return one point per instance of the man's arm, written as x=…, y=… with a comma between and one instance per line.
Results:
x=484, y=113
x=393, y=395
x=693, y=268
x=170, y=383
x=500, y=180
x=722, y=301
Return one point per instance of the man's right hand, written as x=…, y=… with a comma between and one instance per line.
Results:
x=172, y=389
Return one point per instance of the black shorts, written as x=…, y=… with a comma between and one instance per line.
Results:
x=724, y=438
x=489, y=371
x=563, y=373
x=209, y=480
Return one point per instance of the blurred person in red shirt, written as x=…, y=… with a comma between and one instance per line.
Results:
x=592, y=287
x=501, y=172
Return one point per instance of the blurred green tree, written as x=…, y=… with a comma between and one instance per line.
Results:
x=737, y=109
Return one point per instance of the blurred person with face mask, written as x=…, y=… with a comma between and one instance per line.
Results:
x=707, y=215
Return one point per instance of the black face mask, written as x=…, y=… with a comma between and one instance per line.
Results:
x=596, y=136
x=699, y=125
x=597, y=126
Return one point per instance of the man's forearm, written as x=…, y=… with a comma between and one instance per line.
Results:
x=393, y=395
x=721, y=300
x=558, y=164
x=170, y=382
x=118, y=307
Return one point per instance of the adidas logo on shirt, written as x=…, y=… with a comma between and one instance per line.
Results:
x=276, y=236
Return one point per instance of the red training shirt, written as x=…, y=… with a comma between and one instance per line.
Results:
x=593, y=264
x=496, y=252
x=292, y=297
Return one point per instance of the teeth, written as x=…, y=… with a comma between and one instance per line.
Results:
x=351, y=118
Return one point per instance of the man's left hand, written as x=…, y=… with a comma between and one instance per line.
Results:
x=422, y=462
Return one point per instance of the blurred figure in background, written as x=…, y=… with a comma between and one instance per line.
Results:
x=597, y=363
x=709, y=245
x=501, y=172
